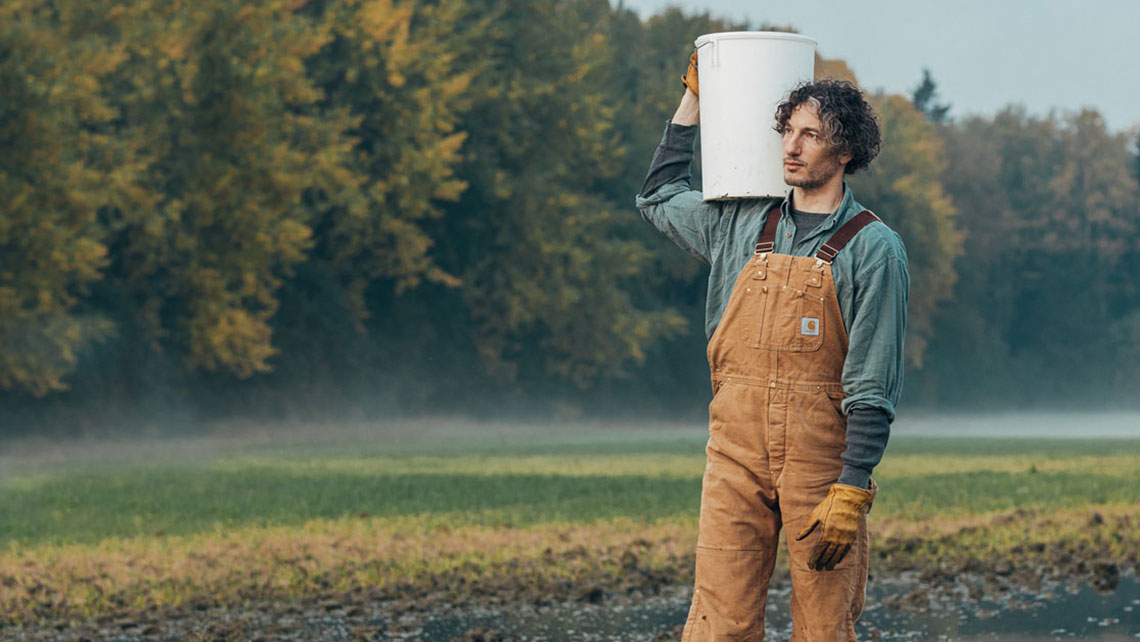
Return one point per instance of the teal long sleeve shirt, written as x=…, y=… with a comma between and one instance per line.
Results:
x=870, y=273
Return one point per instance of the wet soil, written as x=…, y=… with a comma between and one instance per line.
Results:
x=907, y=582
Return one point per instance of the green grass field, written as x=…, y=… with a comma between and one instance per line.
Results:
x=87, y=535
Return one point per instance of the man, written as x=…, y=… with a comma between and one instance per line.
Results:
x=805, y=317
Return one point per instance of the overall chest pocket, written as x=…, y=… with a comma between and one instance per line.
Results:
x=784, y=317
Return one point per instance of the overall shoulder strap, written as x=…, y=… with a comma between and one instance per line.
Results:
x=767, y=241
x=845, y=233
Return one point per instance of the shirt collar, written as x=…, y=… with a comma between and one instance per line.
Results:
x=840, y=215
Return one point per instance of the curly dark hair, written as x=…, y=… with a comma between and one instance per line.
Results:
x=848, y=121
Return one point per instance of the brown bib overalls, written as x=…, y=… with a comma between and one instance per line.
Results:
x=776, y=433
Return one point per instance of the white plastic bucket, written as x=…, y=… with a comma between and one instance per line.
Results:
x=743, y=76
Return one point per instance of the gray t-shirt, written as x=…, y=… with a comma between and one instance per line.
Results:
x=805, y=223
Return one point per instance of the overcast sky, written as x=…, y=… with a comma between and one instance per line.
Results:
x=1043, y=54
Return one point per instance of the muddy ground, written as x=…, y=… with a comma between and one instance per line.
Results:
x=400, y=612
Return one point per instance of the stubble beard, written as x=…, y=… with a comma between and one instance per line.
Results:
x=808, y=182
x=812, y=177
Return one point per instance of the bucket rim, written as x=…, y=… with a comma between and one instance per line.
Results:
x=754, y=35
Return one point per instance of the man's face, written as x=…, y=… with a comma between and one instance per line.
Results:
x=808, y=162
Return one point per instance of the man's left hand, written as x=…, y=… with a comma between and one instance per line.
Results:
x=838, y=517
x=690, y=80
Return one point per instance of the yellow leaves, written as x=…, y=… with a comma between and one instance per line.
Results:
x=568, y=201
x=449, y=146
x=833, y=68
x=48, y=341
x=293, y=238
x=232, y=338
x=84, y=82
x=173, y=45
x=95, y=111
x=436, y=275
x=105, y=61
x=449, y=190
x=381, y=20
x=297, y=91
x=87, y=258
x=312, y=43
x=290, y=64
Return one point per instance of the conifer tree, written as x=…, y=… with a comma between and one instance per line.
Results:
x=924, y=98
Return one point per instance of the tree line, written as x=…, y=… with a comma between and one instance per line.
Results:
x=305, y=208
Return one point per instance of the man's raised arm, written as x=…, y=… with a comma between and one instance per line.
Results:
x=667, y=200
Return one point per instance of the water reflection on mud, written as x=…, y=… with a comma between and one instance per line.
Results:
x=1051, y=613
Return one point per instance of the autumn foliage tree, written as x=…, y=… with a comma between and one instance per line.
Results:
x=1050, y=212
x=52, y=246
x=905, y=186
x=219, y=117
x=532, y=239
x=303, y=205
x=404, y=89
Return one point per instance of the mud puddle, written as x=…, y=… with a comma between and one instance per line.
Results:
x=899, y=609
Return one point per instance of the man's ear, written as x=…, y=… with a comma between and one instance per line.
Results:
x=845, y=158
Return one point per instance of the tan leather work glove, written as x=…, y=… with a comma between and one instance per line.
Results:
x=838, y=516
x=689, y=80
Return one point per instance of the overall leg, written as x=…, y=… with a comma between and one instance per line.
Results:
x=825, y=604
x=739, y=528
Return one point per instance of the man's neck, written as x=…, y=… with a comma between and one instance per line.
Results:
x=822, y=199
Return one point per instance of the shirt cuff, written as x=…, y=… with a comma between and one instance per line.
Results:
x=857, y=477
x=679, y=137
x=672, y=158
x=868, y=430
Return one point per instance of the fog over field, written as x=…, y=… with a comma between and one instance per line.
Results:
x=21, y=455
x=1027, y=424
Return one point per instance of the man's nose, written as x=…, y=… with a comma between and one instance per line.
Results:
x=792, y=145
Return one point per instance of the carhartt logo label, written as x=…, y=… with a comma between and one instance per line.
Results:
x=809, y=325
